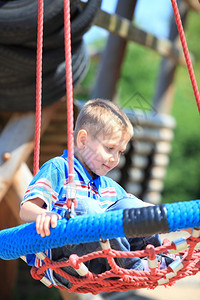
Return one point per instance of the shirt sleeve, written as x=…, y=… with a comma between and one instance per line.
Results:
x=46, y=184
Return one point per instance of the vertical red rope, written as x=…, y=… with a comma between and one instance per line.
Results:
x=69, y=88
x=38, y=86
x=186, y=53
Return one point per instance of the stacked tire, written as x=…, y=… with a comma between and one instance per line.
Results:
x=143, y=169
x=18, y=45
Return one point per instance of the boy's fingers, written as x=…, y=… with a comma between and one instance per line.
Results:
x=38, y=223
x=46, y=225
x=40, y=227
x=44, y=222
x=54, y=219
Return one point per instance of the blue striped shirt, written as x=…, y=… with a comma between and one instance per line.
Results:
x=50, y=183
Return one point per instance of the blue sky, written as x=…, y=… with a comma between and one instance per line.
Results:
x=152, y=16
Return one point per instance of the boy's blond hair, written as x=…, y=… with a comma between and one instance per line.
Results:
x=101, y=116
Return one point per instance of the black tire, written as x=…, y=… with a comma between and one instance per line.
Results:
x=80, y=65
x=10, y=80
x=22, y=98
x=80, y=24
x=17, y=62
x=18, y=19
x=16, y=58
x=84, y=19
x=52, y=41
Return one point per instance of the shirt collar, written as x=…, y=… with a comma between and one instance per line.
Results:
x=79, y=167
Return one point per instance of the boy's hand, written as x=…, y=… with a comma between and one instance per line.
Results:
x=44, y=221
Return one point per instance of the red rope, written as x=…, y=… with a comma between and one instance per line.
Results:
x=70, y=117
x=186, y=52
x=69, y=96
x=38, y=87
x=120, y=279
x=69, y=88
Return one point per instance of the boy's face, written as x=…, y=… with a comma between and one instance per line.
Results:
x=102, y=153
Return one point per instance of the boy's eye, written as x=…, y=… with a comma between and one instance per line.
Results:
x=109, y=148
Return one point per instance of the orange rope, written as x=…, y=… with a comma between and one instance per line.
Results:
x=38, y=87
x=186, y=53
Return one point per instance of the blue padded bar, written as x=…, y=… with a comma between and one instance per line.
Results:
x=23, y=239
x=182, y=215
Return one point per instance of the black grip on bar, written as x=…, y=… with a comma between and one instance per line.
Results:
x=145, y=221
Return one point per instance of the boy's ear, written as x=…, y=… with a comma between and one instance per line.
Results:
x=82, y=138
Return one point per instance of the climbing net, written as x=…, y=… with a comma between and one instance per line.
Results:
x=120, y=279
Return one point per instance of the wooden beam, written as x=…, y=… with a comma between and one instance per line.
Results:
x=127, y=30
x=15, y=193
x=17, y=143
x=193, y=4
x=8, y=268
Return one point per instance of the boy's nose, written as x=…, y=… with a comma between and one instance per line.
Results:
x=114, y=158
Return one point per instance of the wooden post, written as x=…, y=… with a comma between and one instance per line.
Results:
x=17, y=143
x=8, y=269
x=163, y=98
x=109, y=70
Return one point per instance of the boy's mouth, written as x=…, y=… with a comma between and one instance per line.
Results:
x=107, y=167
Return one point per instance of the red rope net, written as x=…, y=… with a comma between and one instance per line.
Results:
x=119, y=279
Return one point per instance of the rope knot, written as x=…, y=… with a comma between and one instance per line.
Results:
x=35, y=274
x=74, y=261
x=150, y=249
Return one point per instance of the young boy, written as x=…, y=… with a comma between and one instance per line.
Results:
x=101, y=134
